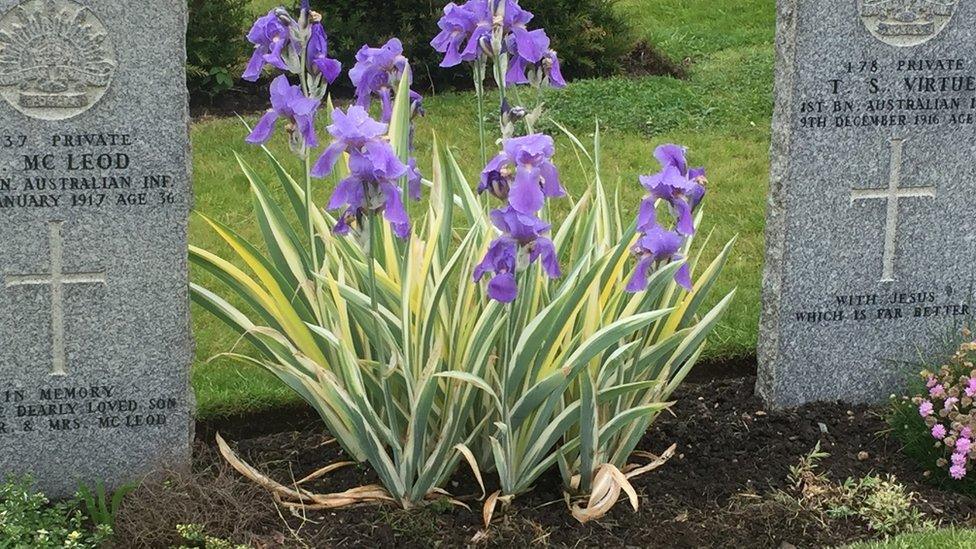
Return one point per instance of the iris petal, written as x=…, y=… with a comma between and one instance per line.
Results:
x=526, y=195
x=503, y=288
x=262, y=131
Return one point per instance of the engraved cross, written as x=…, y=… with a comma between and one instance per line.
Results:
x=893, y=194
x=56, y=279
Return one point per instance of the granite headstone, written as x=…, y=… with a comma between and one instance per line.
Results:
x=95, y=344
x=870, y=229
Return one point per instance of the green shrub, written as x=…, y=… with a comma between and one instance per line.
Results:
x=215, y=44
x=590, y=35
x=29, y=521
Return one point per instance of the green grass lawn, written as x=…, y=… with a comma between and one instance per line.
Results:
x=722, y=112
x=939, y=539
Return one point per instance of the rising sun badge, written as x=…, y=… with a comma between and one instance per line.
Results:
x=55, y=59
x=906, y=23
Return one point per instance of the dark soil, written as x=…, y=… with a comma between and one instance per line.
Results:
x=243, y=99
x=646, y=60
x=716, y=492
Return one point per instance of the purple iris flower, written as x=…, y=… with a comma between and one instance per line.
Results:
x=458, y=25
x=377, y=72
x=372, y=187
x=547, y=69
x=658, y=246
x=520, y=232
x=501, y=260
x=288, y=102
x=551, y=69
x=416, y=104
x=480, y=27
x=675, y=184
x=675, y=155
x=477, y=26
x=524, y=173
x=516, y=18
x=351, y=131
x=697, y=192
x=270, y=37
x=318, y=55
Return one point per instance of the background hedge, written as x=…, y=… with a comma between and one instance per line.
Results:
x=590, y=36
x=215, y=44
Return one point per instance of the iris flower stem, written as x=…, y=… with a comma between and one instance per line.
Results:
x=307, y=154
x=372, y=278
x=506, y=406
x=499, y=72
x=309, y=211
x=538, y=96
x=479, y=86
x=528, y=125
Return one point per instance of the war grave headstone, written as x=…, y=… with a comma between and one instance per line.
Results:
x=871, y=245
x=95, y=344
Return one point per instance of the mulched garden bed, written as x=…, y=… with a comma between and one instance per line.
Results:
x=716, y=492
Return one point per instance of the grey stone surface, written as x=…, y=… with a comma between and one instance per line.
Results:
x=95, y=344
x=874, y=100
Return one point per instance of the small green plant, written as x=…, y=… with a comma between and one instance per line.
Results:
x=99, y=508
x=28, y=520
x=195, y=537
x=882, y=503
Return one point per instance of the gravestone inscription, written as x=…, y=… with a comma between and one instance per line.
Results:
x=870, y=225
x=95, y=345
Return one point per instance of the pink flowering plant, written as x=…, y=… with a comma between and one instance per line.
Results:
x=475, y=329
x=938, y=424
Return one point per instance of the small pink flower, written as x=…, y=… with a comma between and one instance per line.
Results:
x=949, y=403
x=963, y=445
x=937, y=391
x=925, y=408
x=931, y=382
x=957, y=472
x=938, y=431
x=971, y=387
x=966, y=433
x=959, y=459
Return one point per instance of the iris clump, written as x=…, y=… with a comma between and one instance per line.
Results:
x=390, y=331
